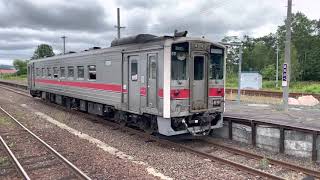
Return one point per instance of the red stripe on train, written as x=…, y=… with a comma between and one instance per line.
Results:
x=143, y=91
x=216, y=92
x=106, y=87
x=176, y=93
x=185, y=93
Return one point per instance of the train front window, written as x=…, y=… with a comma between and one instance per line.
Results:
x=216, y=63
x=179, y=54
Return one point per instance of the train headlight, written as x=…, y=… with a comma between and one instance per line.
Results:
x=176, y=92
x=181, y=56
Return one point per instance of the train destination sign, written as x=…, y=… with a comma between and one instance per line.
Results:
x=284, y=74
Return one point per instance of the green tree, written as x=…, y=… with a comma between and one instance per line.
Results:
x=232, y=54
x=268, y=72
x=305, y=40
x=42, y=51
x=20, y=66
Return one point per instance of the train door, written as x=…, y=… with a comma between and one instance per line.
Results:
x=31, y=75
x=152, y=81
x=134, y=84
x=198, y=82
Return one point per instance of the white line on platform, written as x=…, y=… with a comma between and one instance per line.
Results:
x=107, y=148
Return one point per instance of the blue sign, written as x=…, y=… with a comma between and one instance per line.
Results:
x=284, y=74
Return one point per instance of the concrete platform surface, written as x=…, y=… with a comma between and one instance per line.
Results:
x=297, y=116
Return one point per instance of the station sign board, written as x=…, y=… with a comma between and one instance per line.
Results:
x=285, y=74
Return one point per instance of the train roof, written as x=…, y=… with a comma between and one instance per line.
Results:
x=139, y=41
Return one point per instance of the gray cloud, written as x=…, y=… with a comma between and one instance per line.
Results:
x=24, y=24
x=80, y=16
x=139, y=3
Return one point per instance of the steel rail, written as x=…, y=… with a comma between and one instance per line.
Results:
x=293, y=167
x=77, y=171
x=141, y=134
x=14, y=160
x=15, y=91
x=203, y=154
x=239, y=166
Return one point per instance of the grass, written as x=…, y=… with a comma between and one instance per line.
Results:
x=295, y=86
x=255, y=99
x=14, y=77
x=4, y=161
x=4, y=121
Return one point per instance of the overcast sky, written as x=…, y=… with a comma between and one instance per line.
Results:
x=24, y=24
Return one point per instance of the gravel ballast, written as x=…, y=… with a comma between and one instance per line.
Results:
x=98, y=164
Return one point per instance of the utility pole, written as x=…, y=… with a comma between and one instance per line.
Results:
x=118, y=23
x=277, y=65
x=239, y=74
x=287, y=59
x=64, y=44
x=240, y=45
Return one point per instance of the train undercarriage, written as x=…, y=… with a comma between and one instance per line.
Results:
x=198, y=124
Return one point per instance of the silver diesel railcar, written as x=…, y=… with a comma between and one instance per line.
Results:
x=171, y=85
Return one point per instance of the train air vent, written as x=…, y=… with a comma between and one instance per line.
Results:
x=94, y=48
x=140, y=38
x=180, y=34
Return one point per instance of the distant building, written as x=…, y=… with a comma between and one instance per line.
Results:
x=7, y=71
x=251, y=80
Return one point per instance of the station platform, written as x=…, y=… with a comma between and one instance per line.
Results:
x=306, y=117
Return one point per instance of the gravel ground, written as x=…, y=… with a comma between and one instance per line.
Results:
x=305, y=162
x=28, y=150
x=257, y=164
x=101, y=165
x=7, y=169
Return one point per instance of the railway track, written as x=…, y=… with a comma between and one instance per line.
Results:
x=208, y=154
x=48, y=162
x=250, y=155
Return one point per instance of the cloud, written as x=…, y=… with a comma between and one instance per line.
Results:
x=24, y=24
x=80, y=16
x=139, y=3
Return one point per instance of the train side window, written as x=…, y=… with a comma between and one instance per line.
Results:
x=92, y=72
x=37, y=72
x=80, y=72
x=55, y=72
x=62, y=72
x=198, y=67
x=152, y=67
x=48, y=72
x=42, y=72
x=70, y=72
x=134, y=70
x=216, y=64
